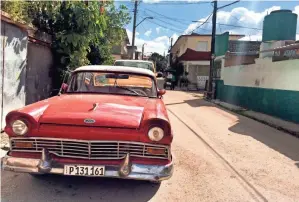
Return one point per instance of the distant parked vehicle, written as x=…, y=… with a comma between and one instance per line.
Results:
x=144, y=64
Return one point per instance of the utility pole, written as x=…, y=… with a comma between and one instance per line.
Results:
x=210, y=84
x=170, y=54
x=134, y=29
x=142, y=54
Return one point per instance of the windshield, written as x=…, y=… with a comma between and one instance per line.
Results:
x=112, y=83
x=143, y=65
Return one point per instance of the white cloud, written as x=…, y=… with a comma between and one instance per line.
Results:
x=239, y=16
x=148, y=32
x=159, y=44
x=151, y=1
x=174, y=38
x=158, y=29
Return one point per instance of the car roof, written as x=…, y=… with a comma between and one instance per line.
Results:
x=145, y=61
x=110, y=68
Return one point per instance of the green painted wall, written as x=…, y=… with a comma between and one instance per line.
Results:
x=221, y=44
x=280, y=103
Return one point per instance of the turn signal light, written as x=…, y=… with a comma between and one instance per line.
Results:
x=156, y=151
x=23, y=144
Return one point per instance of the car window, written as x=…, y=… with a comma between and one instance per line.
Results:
x=143, y=65
x=112, y=83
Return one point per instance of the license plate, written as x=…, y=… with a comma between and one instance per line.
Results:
x=81, y=170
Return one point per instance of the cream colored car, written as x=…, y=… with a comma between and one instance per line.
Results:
x=144, y=64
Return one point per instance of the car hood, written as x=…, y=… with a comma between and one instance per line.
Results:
x=110, y=111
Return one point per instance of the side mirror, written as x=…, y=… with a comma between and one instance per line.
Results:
x=159, y=75
x=64, y=87
x=161, y=92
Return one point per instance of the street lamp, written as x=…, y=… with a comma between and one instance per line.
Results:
x=134, y=30
x=144, y=20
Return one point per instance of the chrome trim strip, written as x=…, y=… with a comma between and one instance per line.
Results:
x=61, y=147
x=136, y=171
x=136, y=149
x=89, y=150
x=91, y=141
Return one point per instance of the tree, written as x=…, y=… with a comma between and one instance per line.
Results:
x=160, y=61
x=82, y=33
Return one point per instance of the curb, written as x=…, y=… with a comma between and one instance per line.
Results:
x=242, y=111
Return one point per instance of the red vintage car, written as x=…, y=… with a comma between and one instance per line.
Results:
x=109, y=121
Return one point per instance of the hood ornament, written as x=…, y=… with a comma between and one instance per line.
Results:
x=95, y=106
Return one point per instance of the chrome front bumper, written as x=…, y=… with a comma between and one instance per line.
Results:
x=126, y=169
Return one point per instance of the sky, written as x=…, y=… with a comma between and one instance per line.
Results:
x=174, y=18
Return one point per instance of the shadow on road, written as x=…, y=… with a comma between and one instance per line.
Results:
x=199, y=103
x=193, y=103
x=241, y=177
x=284, y=143
x=68, y=188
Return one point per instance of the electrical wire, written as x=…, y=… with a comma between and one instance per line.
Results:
x=168, y=18
x=202, y=23
x=186, y=20
x=175, y=30
x=167, y=3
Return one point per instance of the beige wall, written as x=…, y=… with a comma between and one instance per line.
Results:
x=191, y=42
x=264, y=73
x=116, y=57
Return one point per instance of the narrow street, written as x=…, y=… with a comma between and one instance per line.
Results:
x=219, y=156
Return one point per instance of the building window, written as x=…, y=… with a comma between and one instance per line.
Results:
x=202, y=46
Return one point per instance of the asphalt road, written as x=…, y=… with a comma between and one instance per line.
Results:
x=219, y=156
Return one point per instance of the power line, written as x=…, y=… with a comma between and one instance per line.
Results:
x=186, y=20
x=177, y=3
x=180, y=19
x=168, y=23
x=175, y=30
x=230, y=25
x=202, y=23
x=169, y=18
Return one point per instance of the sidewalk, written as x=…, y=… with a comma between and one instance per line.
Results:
x=277, y=123
x=4, y=145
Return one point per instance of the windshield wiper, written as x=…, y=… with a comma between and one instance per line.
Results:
x=128, y=89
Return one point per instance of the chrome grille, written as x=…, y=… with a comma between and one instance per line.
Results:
x=89, y=149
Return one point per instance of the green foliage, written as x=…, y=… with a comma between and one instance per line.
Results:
x=160, y=60
x=178, y=67
x=81, y=34
x=17, y=10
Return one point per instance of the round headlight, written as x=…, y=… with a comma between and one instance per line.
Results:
x=156, y=134
x=19, y=127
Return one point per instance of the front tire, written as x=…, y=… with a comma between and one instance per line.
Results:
x=37, y=175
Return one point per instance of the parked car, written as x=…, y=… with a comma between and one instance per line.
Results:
x=109, y=121
x=160, y=80
x=144, y=64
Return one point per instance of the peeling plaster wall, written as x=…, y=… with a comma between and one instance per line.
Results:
x=24, y=71
x=13, y=68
